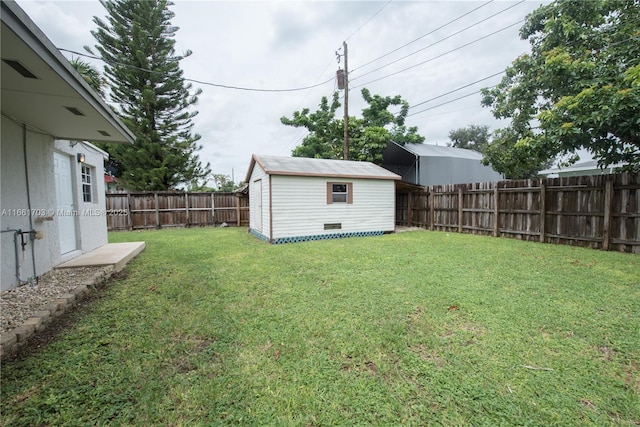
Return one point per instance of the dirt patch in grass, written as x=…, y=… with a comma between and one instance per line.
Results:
x=428, y=355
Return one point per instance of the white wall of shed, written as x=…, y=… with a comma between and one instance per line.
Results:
x=258, y=176
x=299, y=206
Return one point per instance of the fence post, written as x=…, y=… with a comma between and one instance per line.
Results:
x=496, y=211
x=237, y=199
x=155, y=198
x=432, y=215
x=186, y=207
x=409, y=212
x=460, y=207
x=213, y=208
x=543, y=211
x=606, y=232
x=129, y=219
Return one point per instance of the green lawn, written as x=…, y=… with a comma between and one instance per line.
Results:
x=215, y=327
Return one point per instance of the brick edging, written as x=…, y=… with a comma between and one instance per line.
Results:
x=14, y=340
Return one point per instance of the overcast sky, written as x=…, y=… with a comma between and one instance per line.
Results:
x=283, y=45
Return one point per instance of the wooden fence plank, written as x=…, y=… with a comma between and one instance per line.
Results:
x=606, y=232
x=496, y=211
x=597, y=211
x=129, y=219
x=131, y=211
x=460, y=209
x=157, y=209
x=409, y=209
x=431, y=210
x=543, y=212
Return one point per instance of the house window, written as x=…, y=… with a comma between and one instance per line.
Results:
x=87, y=184
x=339, y=192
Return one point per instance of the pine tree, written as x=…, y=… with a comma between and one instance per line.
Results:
x=147, y=86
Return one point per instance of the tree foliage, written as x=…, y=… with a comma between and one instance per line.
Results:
x=146, y=83
x=578, y=89
x=473, y=137
x=368, y=136
x=324, y=140
x=221, y=183
x=90, y=74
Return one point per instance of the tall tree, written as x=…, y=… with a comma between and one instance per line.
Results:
x=137, y=44
x=579, y=88
x=368, y=136
x=473, y=137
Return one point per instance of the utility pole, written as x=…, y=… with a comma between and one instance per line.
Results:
x=346, y=103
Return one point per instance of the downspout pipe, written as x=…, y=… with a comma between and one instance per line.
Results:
x=26, y=173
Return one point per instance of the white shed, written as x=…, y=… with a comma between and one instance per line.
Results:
x=294, y=199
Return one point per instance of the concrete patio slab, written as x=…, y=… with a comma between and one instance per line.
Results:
x=115, y=254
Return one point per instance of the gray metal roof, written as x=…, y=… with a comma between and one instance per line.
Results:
x=300, y=166
x=440, y=151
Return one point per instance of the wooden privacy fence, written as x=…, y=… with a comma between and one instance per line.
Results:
x=133, y=211
x=600, y=211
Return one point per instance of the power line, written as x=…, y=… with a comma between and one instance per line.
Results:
x=447, y=102
x=424, y=35
x=475, y=107
x=457, y=89
x=470, y=94
x=439, y=41
x=300, y=136
x=368, y=20
x=249, y=89
x=441, y=55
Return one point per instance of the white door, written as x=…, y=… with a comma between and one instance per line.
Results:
x=257, y=197
x=65, y=212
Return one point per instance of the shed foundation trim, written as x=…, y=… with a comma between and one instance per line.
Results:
x=317, y=236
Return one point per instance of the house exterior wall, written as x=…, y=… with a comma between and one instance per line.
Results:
x=300, y=208
x=259, y=177
x=91, y=226
x=92, y=218
x=14, y=206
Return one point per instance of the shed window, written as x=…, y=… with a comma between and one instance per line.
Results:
x=339, y=192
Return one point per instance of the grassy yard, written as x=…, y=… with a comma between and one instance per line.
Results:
x=215, y=327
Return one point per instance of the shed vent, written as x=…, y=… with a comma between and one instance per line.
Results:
x=104, y=133
x=333, y=226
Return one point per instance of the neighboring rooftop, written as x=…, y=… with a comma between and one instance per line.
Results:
x=441, y=151
x=588, y=166
x=300, y=166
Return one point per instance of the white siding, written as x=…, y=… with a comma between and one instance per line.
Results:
x=92, y=219
x=299, y=206
x=15, y=206
x=258, y=177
